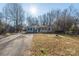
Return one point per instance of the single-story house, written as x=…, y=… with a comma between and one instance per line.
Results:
x=36, y=29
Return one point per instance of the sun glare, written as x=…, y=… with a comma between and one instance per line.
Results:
x=33, y=10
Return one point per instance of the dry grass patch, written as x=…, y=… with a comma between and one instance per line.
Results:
x=50, y=44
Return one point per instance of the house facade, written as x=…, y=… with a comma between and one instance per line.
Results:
x=38, y=29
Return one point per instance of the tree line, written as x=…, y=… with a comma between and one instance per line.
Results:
x=60, y=21
x=12, y=19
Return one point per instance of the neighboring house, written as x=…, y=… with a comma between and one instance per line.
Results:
x=36, y=29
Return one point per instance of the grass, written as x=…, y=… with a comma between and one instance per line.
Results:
x=50, y=44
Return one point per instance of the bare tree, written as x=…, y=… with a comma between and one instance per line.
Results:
x=1, y=23
x=64, y=20
x=1, y=17
x=14, y=13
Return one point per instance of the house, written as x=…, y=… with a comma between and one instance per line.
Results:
x=38, y=29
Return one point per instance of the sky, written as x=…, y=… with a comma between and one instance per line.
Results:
x=41, y=8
